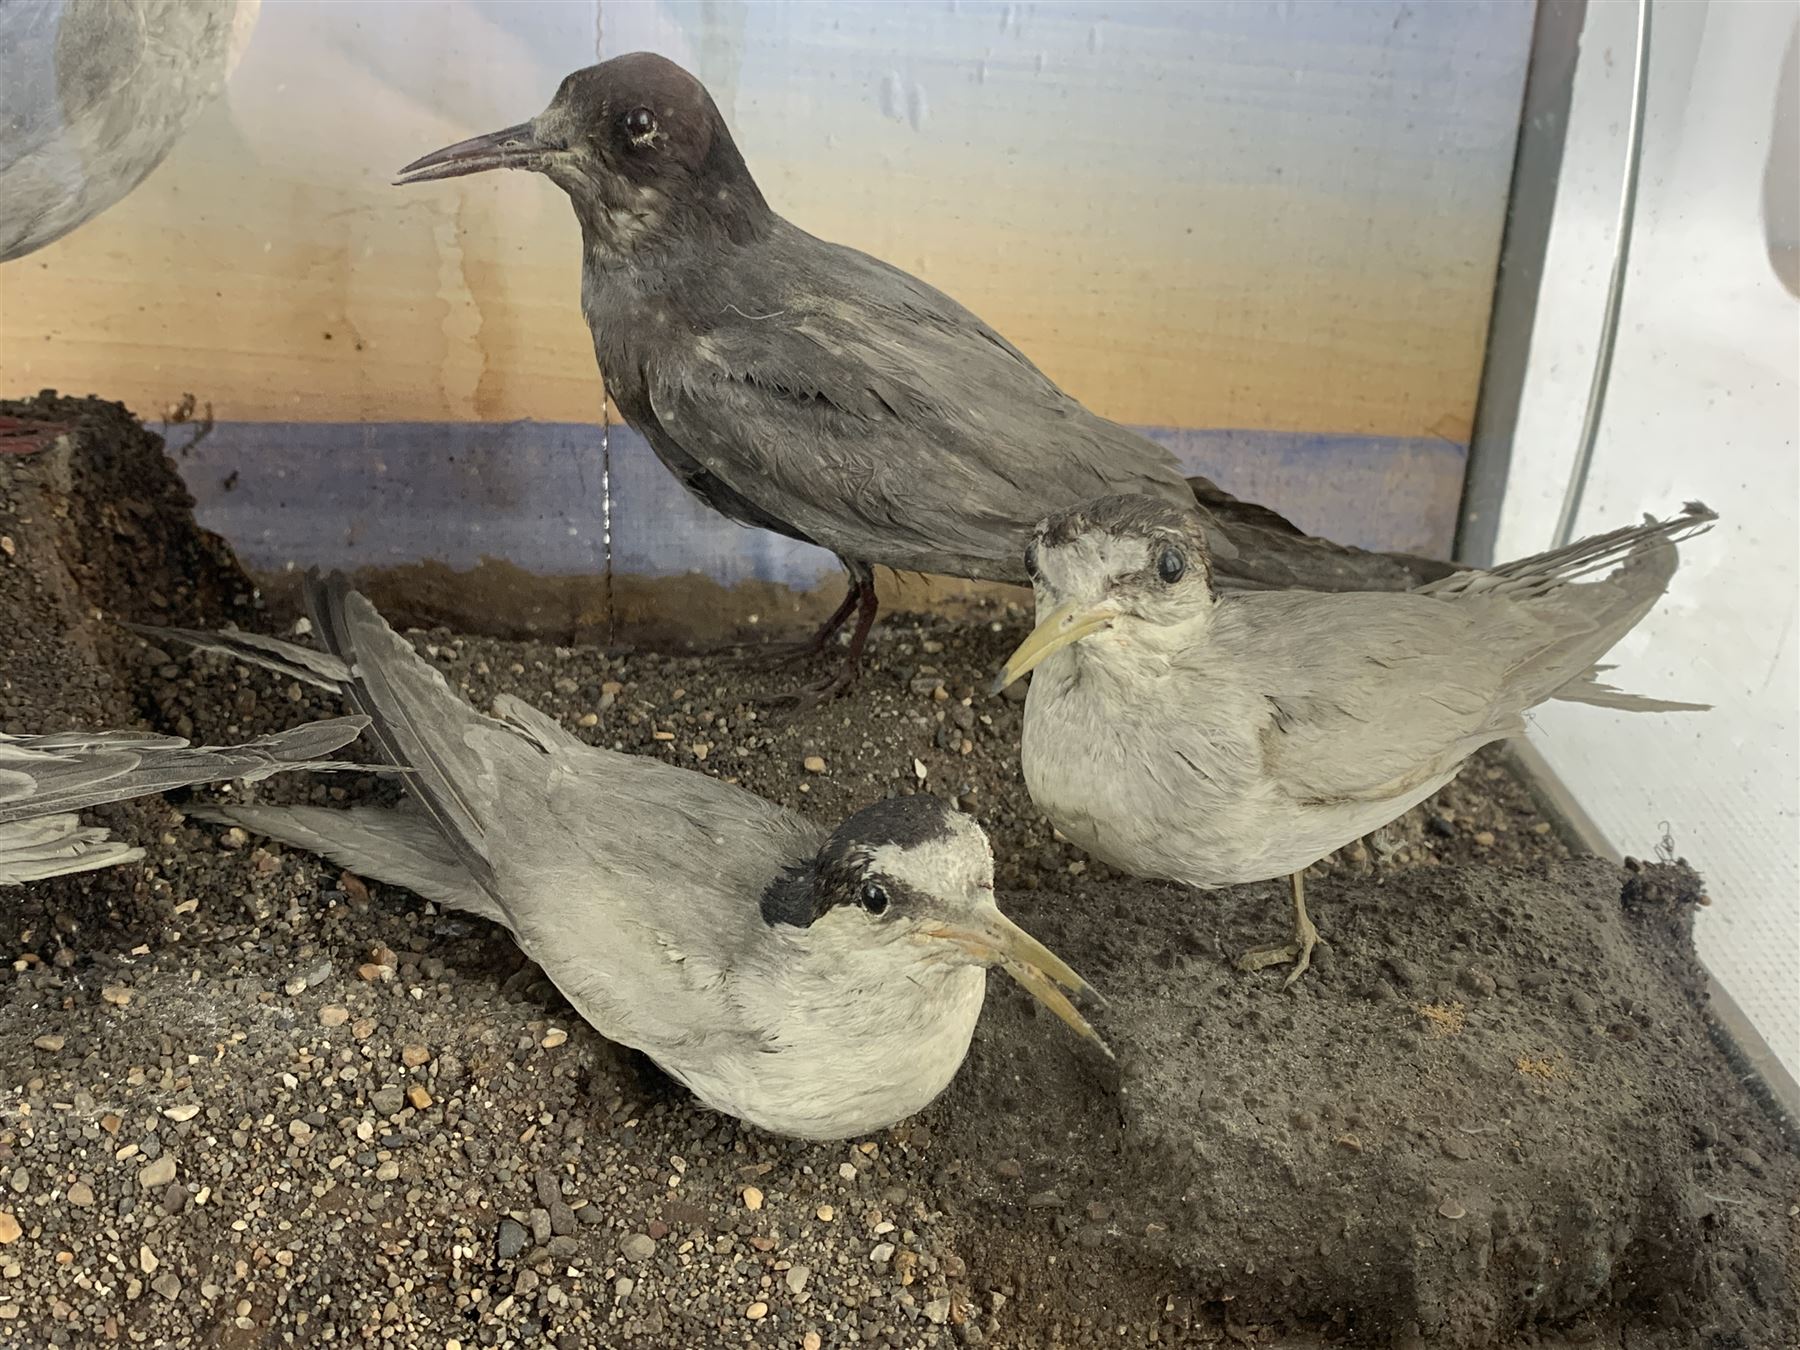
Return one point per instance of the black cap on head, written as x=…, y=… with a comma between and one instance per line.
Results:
x=842, y=873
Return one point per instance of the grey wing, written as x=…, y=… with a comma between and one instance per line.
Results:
x=1371, y=695
x=635, y=885
x=1365, y=696
x=44, y=779
x=66, y=771
x=55, y=846
x=884, y=421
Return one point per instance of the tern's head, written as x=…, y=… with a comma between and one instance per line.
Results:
x=914, y=879
x=1121, y=571
x=639, y=146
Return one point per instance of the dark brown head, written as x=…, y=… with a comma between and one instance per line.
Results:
x=1130, y=572
x=639, y=146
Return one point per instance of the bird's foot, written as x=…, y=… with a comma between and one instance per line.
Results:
x=29, y=435
x=1299, y=951
x=791, y=654
x=836, y=686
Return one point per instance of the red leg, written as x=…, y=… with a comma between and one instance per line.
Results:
x=863, y=578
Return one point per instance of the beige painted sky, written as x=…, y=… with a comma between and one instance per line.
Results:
x=268, y=268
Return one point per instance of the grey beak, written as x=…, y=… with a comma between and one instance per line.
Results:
x=514, y=148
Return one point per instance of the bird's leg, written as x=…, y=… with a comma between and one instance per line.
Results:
x=863, y=577
x=1299, y=951
x=28, y=435
x=828, y=630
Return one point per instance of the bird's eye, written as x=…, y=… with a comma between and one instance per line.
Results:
x=1031, y=561
x=874, y=897
x=639, y=123
x=1171, y=565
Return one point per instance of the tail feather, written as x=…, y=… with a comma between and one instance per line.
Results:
x=1591, y=616
x=54, y=846
x=305, y=664
x=1589, y=689
x=66, y=771
x=1255, y=548
x=1559, y=566
x=397, y=845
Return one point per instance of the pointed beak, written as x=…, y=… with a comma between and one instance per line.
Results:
x=1066, y=624
x=996, y=940
x=514, y=148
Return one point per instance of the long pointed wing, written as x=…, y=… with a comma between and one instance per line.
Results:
x=46, y=775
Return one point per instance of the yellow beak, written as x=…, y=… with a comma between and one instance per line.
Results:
x=998, y=941
x=1066, y=624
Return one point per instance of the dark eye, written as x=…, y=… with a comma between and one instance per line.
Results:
x=874, y=897
x=639, y=123
x=1031, y=562
x=1171, y=565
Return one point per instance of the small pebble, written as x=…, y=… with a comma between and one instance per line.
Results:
x=757, y=1311
x=554, y=1037
x=510, y=1240
x=333, y=1016
x=813, y=764
x=753, y=1198
x=388, y=1100
x=638, y=1247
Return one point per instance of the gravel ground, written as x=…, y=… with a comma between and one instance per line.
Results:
x=251, y=1100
